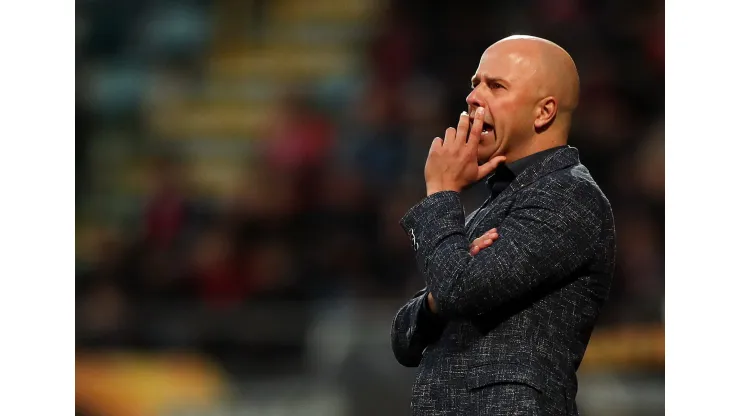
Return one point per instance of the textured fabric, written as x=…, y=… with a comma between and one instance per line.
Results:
x=507, y=172
x=514, y=320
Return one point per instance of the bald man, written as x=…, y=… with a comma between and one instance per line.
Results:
x=514, y=290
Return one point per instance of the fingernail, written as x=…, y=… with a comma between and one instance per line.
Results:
x=464, y=113
x=479, y=111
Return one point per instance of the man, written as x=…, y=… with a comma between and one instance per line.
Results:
x=503, y=324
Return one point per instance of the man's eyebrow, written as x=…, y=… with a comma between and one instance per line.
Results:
x=476, y=79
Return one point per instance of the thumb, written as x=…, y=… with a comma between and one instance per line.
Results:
x=488, y=167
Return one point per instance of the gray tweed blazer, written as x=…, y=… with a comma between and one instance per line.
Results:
x=513, y=321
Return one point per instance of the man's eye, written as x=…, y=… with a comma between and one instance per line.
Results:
x=495, y=85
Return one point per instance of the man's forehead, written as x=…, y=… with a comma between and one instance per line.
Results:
x=500, y=62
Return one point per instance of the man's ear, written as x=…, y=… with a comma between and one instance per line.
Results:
x=546, y=111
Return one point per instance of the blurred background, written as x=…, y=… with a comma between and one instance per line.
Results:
x=241, y=168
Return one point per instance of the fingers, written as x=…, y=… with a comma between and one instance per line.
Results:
x=484, y=241
x=488, y=167
x=481, y=243
x=436, y=144
x=477, y=129
x=449, y=136
x=462, y=127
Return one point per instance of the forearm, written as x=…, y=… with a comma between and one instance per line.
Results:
x=538, y=245
x=437, y=228
x=413, y=329
x=464, y=286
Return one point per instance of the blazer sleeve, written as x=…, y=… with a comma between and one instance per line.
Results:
x=544, y=238
x=414, y=327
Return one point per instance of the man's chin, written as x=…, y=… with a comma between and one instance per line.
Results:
x=485, y=156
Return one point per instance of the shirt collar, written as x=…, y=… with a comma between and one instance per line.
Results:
x=508, y=171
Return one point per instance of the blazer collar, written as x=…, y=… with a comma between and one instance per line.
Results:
x=561, y=159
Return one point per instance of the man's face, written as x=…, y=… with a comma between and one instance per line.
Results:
x=503, y=86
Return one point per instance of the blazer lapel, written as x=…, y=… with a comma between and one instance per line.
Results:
x=561, y=159
x=498, y=208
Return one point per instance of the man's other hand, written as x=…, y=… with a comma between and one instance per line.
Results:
x=476, y=246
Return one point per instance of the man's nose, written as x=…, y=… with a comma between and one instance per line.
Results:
x=473, y=101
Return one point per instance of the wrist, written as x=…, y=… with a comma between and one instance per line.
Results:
x=431, y=306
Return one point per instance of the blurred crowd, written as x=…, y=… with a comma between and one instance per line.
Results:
x=315, y=218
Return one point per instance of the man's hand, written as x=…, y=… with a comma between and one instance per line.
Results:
x=452, y=164
x=483, y=241
x=475, y=247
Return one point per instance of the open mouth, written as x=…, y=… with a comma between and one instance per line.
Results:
x=487, y=128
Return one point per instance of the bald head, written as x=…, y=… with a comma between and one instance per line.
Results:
x=529, y=89
x=553, y=71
